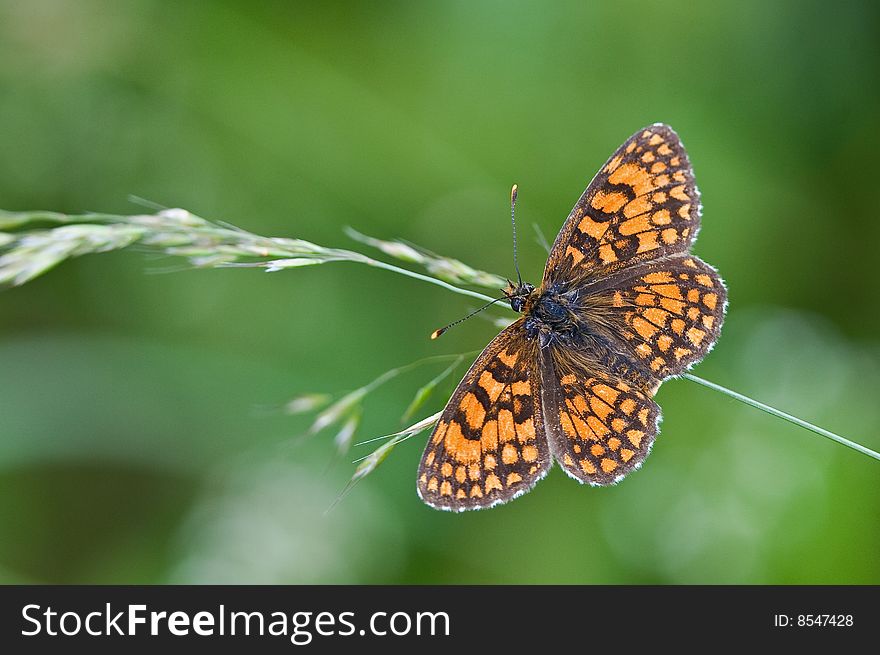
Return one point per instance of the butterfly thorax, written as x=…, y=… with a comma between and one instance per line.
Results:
x=550, y=312
x=577, y=323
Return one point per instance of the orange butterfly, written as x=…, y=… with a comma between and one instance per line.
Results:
x=623, y=305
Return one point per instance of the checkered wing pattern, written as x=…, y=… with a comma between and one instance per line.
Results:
x=599, y=427
x=642, y=205
x=489, y=445
x=668, y=313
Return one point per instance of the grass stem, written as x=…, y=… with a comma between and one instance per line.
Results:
x=783, y=415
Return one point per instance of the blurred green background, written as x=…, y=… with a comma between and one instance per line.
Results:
x=140, y=440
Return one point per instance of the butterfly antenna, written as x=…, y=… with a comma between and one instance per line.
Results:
x=513, y=222
x=437, y=333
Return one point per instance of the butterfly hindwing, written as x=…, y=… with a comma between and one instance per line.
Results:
x=599, y=428
x=669, y=313
x=641, y=205
x=489, y=444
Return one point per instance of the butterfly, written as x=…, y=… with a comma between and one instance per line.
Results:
x=622, y=306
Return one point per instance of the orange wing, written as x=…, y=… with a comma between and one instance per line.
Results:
x=668, y=313
x=642, y=205
x=599, y=427
x=489, y=445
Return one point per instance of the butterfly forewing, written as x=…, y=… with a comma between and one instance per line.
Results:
x=642, y=205
x=489, y=445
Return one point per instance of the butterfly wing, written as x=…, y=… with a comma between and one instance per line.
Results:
x=489, y=444
x=666, y=315
x=642, y=205
x=599, y=428
x=650, y=309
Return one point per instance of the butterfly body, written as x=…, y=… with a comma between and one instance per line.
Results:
x=622, y=306
x=548, y=313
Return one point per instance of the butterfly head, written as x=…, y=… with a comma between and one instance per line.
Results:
x=518, y=294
